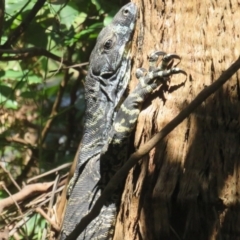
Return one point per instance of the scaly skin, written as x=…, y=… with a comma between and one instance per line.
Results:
x=106, y=137
x=107, y=79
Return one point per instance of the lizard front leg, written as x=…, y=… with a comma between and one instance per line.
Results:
x=148, y=81
x=115, y=151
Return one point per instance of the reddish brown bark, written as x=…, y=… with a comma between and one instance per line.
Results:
x=188, y=187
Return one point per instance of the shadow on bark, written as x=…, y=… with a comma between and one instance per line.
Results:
x=197, y=199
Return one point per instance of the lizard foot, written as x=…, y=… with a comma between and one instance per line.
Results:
x=158, y=74
x=167, y=60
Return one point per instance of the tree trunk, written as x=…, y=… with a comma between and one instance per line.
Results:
x=188, y=186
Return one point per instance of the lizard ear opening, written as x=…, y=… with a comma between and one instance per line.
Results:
x=106, y=75
x=108, y=44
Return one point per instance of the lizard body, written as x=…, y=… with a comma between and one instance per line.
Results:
x=106, y=81
x=106, y=133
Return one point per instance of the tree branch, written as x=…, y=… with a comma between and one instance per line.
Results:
x=24, y=193
x=135, y=157
x=30, y=52
x=34, y=52
x=10, y=176
x=57, y=102
x=24, y=24
x=2, y=11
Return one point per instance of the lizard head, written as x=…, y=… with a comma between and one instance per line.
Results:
x=112, y=42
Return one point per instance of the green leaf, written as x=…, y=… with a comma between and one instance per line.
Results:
x=110, y=15
x=67, y=13
x=22, y=76
x=29, y=94
x=51, y=91
x=11, y=74
x=36, y=35
x=5, y=90
x=103, y=6
x=107, y=20
x=34, y=79
x=80, y=19
x=8, y=103
x=13, y=6
x=93, y=28
x=97, y=4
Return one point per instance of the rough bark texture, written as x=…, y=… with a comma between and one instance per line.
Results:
x=188, y=187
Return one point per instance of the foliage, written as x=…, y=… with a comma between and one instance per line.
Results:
x=41, y=100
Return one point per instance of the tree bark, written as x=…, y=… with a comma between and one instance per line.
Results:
x=188, y=186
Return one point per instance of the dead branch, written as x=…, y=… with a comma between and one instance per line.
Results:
x=55, y=170
x=10, y=176
x=136, y=156
x=24, y=193
x=55, y=107
x=19, y=140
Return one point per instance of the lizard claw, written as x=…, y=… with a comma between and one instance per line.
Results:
x=153, y=57
x=168, y=59
x=170, y=56
x=158, y=74
x=140, y=72
x=167, y=73
x=177, y=71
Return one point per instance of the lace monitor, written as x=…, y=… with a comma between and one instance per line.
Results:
x=108, y=123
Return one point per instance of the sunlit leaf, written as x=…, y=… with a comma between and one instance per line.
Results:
x=67, y=13
x=13, y=6
x=33, y=79
x=11, y=104
x=11, y=74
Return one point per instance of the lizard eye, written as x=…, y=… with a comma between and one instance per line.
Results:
x=108, y=44
x=125, y=12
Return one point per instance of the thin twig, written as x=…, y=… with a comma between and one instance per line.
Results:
x=66, y=165
x=53, y=224
x=40, y=200
x=57, y=102
x=23, y=194
x=135, y=157
x=55, y=107
x=12, y=199
x=10, y=176
x=34, y=52
x=16, y=139
x=53, y=192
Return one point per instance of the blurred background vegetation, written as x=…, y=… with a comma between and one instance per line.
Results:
x=45, y=46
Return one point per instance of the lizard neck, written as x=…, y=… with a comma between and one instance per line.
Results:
x=102, y=97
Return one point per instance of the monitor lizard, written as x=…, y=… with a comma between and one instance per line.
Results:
x=108, y=123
